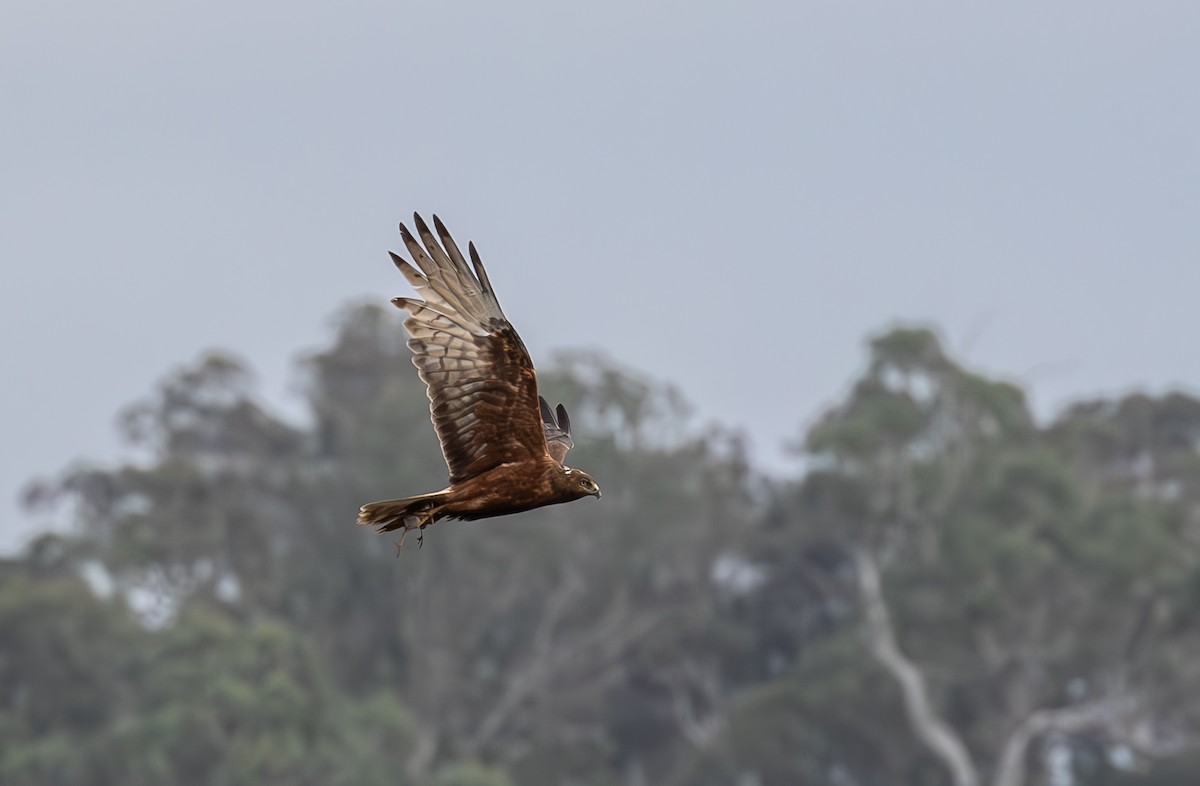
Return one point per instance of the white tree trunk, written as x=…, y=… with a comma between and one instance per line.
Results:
x=935, y=733
x=1010, y=770
x=1109, y=713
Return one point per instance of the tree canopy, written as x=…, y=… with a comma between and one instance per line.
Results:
x=951, y=594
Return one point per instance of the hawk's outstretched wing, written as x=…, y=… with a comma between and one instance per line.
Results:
x=481, y=383
x=557, y=427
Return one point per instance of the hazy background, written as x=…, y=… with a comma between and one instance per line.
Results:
x=686, y=186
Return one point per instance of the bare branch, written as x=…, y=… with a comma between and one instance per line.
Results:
x=538, y=664
x=584, y=659
x=697, y=724
x=1010, y=770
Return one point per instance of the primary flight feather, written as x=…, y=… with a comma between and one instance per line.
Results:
x=502, y=443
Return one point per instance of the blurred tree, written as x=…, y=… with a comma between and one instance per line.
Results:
x=64, y=665
x=221, y=702
x=1008, y=579
x=90, y=698
x=511, y=641
x=951, y=594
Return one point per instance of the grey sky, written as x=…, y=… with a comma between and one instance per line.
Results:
x=730, y=196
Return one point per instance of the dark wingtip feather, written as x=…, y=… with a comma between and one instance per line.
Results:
x=480, y=272
x=398, y=260
x=422, y=227
x=564, y=422
x=451, y=247
x=547, y=415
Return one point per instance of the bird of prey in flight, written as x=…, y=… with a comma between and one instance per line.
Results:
x=503, y=444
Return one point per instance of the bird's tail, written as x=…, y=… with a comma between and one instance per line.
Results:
x=407, y=513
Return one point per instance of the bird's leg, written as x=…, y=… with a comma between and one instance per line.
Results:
x=425, y=520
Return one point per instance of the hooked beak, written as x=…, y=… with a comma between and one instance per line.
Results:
x=597, y=494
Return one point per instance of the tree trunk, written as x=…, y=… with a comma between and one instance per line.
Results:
x=935, y=733
x=1010, y=771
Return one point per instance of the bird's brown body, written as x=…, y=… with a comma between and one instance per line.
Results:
x=498, y=492
x=513, y=488
x=503, y=444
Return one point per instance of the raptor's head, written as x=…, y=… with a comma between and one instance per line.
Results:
x=578, y=483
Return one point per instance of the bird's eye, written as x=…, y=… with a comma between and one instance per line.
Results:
x=584, y=483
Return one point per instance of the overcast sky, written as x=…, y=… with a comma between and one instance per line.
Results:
x=727, y=196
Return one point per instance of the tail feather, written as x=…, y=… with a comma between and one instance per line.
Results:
x=407, y=513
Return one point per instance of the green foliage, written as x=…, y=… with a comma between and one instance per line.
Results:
x=66, y=654
x=93, y=698
x=701, y=625
x=808, y=725
x=470, y=774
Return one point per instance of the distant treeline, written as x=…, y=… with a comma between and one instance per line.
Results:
x=952, y=595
